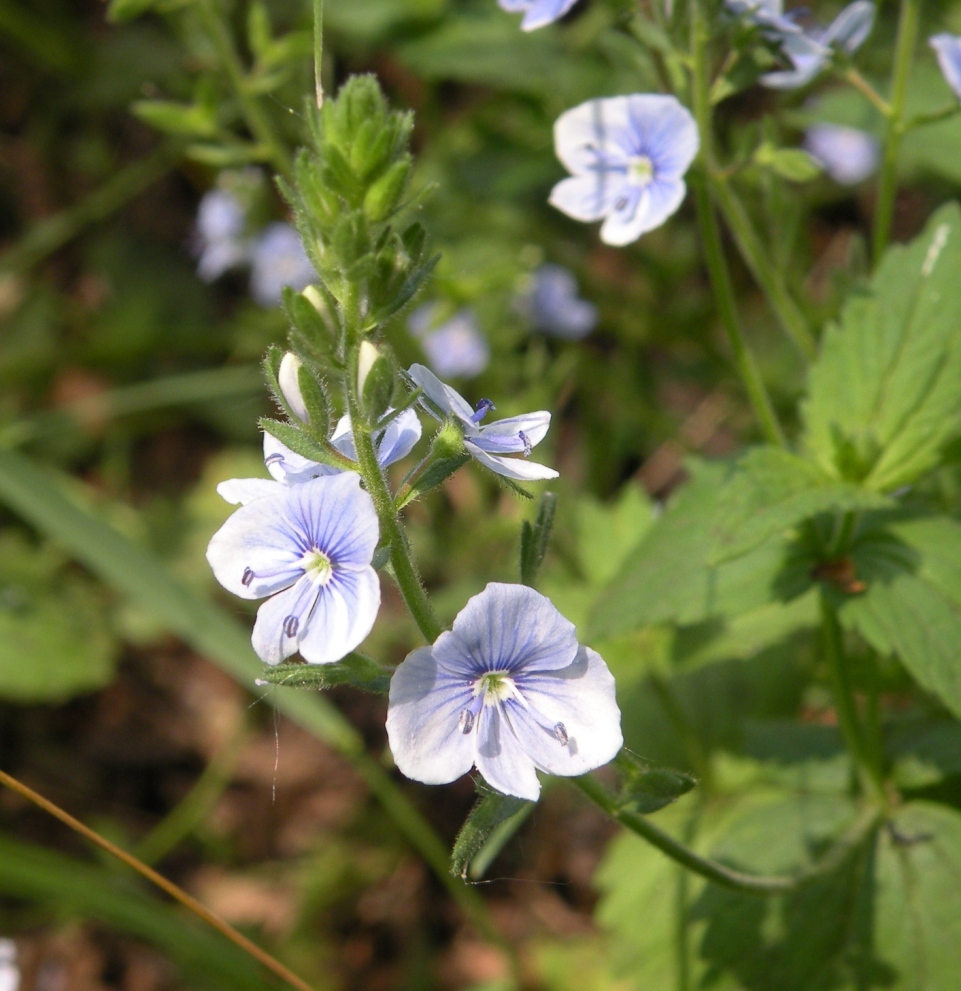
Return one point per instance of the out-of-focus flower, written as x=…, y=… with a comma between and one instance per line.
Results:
x=219, y=234
x=537, y=13
x=487, y=444
x=278, y=259
x=554, y=307
x=807, y=52
x=627, y=156
x=309, y=548
x=455, y=348
x=509, y=690
x=947, y=47
x=9, y=971
x=287, y=467
x=848, y=155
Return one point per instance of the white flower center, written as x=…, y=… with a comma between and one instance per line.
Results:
x=494, y=687
x=317, y=566
x=640, y=171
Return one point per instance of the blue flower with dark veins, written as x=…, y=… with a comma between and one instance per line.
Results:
x=537, y=13
x=627, y=156
x=307, y=549
x=487, y=443
x=507, y=690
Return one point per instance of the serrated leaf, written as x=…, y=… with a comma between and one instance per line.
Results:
x=354, y=669
x=772, y=491
x=298, y=441
x=912, y=603
x=884, y=396
x=669, y=575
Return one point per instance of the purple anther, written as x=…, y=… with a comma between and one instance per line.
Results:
x=560, y=731
x=247, y=578
x=526, y=441
x=291, y=624
x=481, y=410
x=466, y=721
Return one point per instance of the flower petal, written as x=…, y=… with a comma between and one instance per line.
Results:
x=398, y=438
x=443, y=397
x=588, y=197
x=947, y=47
x=504, y=436
x=501, y=758
x=581, y=699
x=654, y=205
x=269, y=639
x=287, y=466
x=517, y=468
x=512, y=628
x=342, y=616
x=664, y=130
x=541, y=12
x=593, y=136
x=807, y=58
x=850, y=29
x=240, y=491
x=425, y=705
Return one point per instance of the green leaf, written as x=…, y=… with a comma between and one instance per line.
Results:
x=793, y=164
x=195, y=120
x=535, y=538
x=669, y=576
x=646, y=788
x=884, y=396
x=912, y=604
x=491, y=810
x=127, y=10
x=355, y=670
x=772, y=491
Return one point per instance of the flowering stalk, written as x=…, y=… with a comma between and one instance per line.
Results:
x=713, y=251
x=887, y=184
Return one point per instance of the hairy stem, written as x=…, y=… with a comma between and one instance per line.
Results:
x=888, y=180
x=717, y=873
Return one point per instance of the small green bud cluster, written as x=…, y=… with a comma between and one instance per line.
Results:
x=349, y=189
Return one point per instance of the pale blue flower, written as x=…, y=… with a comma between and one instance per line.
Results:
x=554, y=306
x=627, y=156
x=278, y=259
x=309, y=548
x=848, y=155
x=768, y=15
x=947, y=47
x=537, y=13
x=455, y=348
x=219, y=234
x=810, y=52
x=487, y=443
x=287, y=467
x=507, y=690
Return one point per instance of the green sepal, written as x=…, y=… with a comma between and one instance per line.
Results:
x=645, y=787
x=491, y=810
x=378, y=389
x=354, y=670
x=320, y=330
x=301, y=443
x=793, y=164
x=535, y=537
x=384, y=195
x=435, y=474
x=315, y=400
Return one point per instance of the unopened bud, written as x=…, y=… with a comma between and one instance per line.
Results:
x=375, y=381
x=366, y=357
x=288, y=378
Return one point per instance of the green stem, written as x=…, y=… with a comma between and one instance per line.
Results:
x=52, y=233
x=257, y=120
x=711, y=870
x=868, y=766
x=402, y=563
x=867, y=90
x=711, y=238
x=318, y=51
x=887, y=183
x=765, y=274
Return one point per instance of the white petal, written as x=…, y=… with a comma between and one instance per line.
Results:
x=399, y=437
x=947, y=47
x=850, y=29
x=268, y=637
x=580, y=698
x=541, y=12
x=588, y=197
x=655, y=204
x=663, y=130
x=239, y=491
x=593, y=134
x=341, y=618
x=424, y=707
x=510, y=628
x=504, y=436
x=287, y=466
x=442, y=396
x=501, y=758
x=517, y=468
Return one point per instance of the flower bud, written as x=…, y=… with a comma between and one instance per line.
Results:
x=288, y=378
x=375, y=381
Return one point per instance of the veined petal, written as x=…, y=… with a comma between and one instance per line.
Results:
x=425, y=706
x=342, y=616
x=850, y=29
x=650, y=209
x=572, y=723
x=335, y=514
x=541, y=12
x=663, y=130
x=501, y=758
x=398, y=438
x=504, y=436
x=287, y=466
x=589, y=196
x=442, y=396
x=269, y=638
x=593, y=135
x=516, y=468
x=807, y=58
x=514, y=628
x=240, y=491
x=947, y=47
